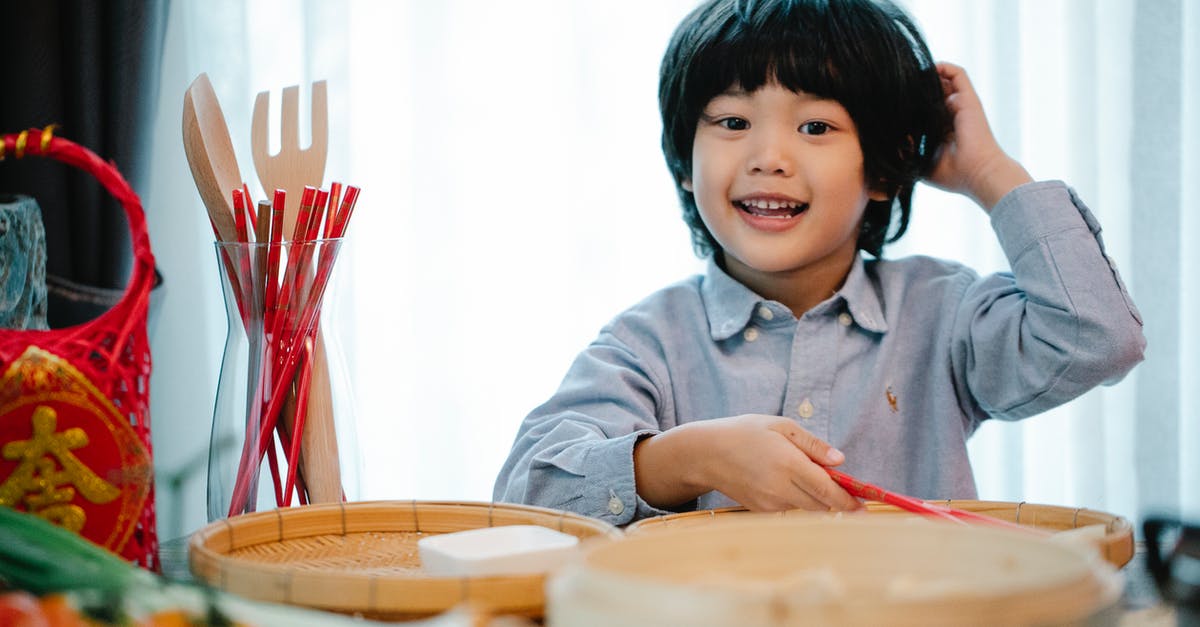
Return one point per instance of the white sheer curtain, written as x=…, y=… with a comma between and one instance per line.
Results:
x=515, y=199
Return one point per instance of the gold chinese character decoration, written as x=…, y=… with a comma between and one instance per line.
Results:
x=66, y=452
x=48, y=473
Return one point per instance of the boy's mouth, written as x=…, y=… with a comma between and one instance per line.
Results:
x=771, y=208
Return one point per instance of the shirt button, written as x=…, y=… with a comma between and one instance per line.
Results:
x=615, y=506
x=845, y=319
x=805, y=409
x=765, y=313
x=751, y=334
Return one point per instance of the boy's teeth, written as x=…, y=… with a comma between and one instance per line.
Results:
x=769, y=204
x=772, y=208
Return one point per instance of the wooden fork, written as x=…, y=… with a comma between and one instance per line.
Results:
x=291, y=169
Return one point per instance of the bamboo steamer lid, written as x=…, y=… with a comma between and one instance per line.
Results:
x=1114, y=542
x=770, y=571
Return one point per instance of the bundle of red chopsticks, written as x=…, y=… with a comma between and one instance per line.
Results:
x=279, y=283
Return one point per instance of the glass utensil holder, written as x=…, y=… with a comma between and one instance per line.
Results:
x=282, y=430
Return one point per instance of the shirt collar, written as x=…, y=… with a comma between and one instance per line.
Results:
x=730, y=305
x=862, y=300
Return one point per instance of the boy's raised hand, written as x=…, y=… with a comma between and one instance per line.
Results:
x=766, y=463
x=971, y=162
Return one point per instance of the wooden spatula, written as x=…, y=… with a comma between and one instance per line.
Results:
x=210, y=155
x=291, y=169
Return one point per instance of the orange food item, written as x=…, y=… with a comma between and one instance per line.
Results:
x=59, y=612
x=21, y=609
x=166, y=618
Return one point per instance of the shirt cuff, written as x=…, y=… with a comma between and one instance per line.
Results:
x=611, y=494
x=1034, y=211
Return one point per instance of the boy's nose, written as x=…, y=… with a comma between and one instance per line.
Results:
x=770, y=157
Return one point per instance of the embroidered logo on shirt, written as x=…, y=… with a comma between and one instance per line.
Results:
x=891, y=399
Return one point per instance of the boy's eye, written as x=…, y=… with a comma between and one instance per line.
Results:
x=814, y=128
x=734, y=124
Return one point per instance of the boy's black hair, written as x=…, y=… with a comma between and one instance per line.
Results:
x=866, y=54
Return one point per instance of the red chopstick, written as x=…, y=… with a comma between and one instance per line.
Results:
x=864, y=490
x=335, y=194
x=298, y=420
x=271, y=304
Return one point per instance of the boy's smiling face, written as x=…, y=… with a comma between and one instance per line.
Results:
x=778, y=179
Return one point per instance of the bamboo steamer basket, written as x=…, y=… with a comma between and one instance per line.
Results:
x=1115, y=546
x=362, y=558
x=767, y=571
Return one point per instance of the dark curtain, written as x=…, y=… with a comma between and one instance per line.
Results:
x=92, y=68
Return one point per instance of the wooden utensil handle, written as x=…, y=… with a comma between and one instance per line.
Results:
x=319, y=457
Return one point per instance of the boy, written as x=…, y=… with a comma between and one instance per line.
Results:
x=795, y=131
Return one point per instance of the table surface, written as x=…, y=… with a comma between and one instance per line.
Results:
x=1142, y=605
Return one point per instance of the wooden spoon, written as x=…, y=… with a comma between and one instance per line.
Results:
x=214, y=168
x=210, y=155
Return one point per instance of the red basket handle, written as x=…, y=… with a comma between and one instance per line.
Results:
x=42, y=142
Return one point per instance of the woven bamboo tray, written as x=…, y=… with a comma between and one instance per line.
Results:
x=857, y=570
x=1116, y=546
x=362, y=557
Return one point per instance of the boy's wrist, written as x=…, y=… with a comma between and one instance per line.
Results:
x=694, y=445
x=996, y=179
x=670, y=467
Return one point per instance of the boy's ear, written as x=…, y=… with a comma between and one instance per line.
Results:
x=878, y=191
x=687, y=185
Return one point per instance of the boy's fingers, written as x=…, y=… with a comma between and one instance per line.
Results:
x=949, y=70
x=828, y=493
x=815, y=448
x=812, y=482
x=956, y=83
x=947, y=86
x=954, y=103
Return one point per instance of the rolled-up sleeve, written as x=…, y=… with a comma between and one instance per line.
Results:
x=575, y=452
x=1061, y=323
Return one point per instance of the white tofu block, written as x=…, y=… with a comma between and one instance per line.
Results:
x=507, y=550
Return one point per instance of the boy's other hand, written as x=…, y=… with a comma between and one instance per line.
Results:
x=971, y=162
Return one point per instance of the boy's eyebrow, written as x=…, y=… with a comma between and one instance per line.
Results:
x=740, y=92
x=734, y=92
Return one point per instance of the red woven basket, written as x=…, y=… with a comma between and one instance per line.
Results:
x=74, y=402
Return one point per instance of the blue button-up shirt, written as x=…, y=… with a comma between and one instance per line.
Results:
x=897, y=369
